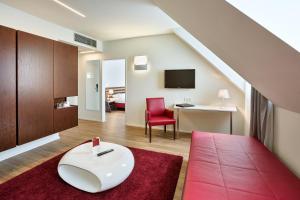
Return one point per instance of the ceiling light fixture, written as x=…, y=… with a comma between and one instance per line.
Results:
x=69, y=8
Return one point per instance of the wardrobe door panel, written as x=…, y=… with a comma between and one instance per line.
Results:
x=7, y=88
x=65, y=118
x=65, y=70
x=35, y=87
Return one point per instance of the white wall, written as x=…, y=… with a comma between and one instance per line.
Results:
x=169, y=52
x=83, y=113
x=287, y=138
x=247, y=115
x=19, y=20
x=114, y=73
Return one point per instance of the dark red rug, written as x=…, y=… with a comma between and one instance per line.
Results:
x=154, y=177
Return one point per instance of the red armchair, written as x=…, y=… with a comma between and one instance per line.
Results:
x=157, y=115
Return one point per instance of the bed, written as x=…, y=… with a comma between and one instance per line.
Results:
x=116, y=96
x=119, y=100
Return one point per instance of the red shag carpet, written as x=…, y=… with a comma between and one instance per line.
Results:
x=154, y=177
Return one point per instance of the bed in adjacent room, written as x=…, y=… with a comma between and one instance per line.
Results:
x=115, y=98
x=119, y=100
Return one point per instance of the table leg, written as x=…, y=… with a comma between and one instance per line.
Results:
x=230, y=123
x=177, y=121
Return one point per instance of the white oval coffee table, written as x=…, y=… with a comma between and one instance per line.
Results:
x=90, y=173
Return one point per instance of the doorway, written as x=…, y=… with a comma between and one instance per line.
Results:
x=114, y=83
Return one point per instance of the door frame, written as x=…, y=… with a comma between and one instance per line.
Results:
x=102, y=95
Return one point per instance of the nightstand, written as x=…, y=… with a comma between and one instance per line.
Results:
x=109, y=106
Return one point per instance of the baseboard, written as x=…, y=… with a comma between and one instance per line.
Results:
x=28, y=146
x=156, y=127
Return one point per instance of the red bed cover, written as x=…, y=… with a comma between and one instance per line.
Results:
x=229, y=167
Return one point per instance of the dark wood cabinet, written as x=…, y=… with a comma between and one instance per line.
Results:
x=65, y=70
x=65, y=84
x=65, y=118
x=35, y=87
x=7, y=88
x=34, y=73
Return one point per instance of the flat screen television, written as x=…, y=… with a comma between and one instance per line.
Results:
x=182, y=78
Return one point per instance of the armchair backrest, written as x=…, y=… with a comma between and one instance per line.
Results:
x=156, y=106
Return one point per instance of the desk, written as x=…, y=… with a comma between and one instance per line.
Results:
x=229, y=109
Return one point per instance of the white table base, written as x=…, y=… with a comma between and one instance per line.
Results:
x=82, y=169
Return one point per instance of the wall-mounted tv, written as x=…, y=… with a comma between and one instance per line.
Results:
x=180, y=78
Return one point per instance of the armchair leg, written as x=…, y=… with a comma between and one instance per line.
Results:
x=146, y=128
x=174, y=131
x=150, y=130
x=165, y=128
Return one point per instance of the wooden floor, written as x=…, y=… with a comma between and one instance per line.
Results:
x=114, y=130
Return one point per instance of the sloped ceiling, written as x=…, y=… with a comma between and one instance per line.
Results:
x=268, y=63
x=226, y=70
x=279, y=17
x=105, y=19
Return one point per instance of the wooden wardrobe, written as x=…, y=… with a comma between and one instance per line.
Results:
x=65, y=70
x=35, y=73
x=65, y=84
x=8, y=90
x=35, y=87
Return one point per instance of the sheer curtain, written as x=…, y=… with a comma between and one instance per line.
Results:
x=262, y=119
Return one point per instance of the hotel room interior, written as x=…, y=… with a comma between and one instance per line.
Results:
x=149, y=100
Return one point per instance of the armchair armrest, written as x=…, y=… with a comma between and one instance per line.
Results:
x=147, y=115
x=169, y=113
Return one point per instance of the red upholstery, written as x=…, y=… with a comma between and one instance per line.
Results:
x=169, y=113
x=156, y=106
x=157, y=115
x=120, y=105
x=229, y=167
x=161, y=120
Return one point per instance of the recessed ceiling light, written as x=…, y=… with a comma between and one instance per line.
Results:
x=82, y=52
x=69, y=8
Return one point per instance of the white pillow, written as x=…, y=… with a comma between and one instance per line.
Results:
x=119, y=97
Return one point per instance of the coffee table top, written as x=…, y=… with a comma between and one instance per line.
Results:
x=82, y=169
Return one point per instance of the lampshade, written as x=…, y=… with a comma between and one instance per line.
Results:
x=140, y=62
x=223, y=94
x=110, y=91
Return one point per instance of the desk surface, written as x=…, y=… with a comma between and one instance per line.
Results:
x=209, y=108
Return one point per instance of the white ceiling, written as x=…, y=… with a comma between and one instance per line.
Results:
x=105, y=19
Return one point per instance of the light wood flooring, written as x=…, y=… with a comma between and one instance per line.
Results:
x=114, y=130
